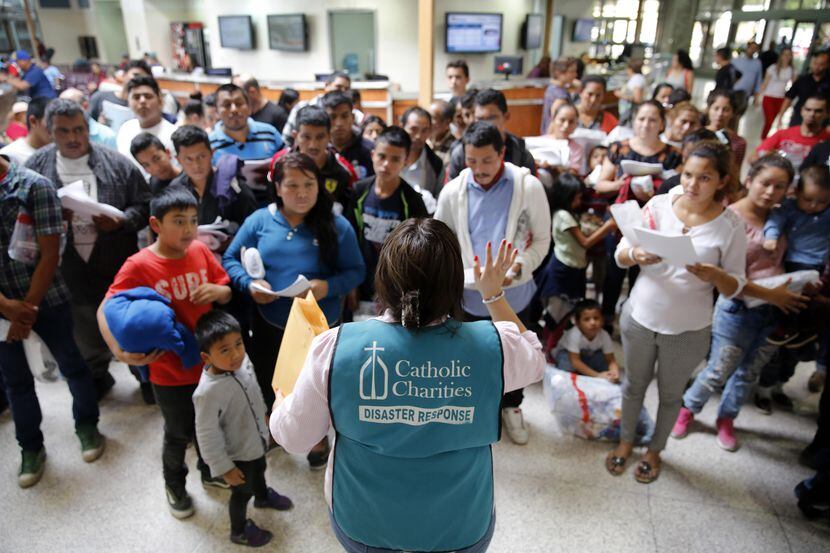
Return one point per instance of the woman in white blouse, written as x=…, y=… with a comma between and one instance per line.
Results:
x=668, y=317
x=778, y=78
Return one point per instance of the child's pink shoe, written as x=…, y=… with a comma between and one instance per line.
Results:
x=684, y=421
x=726, y=434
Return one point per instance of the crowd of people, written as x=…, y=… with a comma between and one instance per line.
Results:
x=217, y=204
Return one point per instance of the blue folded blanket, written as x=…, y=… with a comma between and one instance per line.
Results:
x=141, y=320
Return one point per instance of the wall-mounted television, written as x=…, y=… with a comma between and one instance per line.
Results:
x=473, y=33
x=236, y=31
x=532, y=31
x=288, y=32
x=582, y=30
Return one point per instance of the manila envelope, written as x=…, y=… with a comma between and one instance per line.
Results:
x=305, y=321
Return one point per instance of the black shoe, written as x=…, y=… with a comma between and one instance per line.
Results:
x=782, y=400
x=147, y=393
x=252, y=535
x=179, y=502
x=216, y=482
x=103, y=384
x=317, y=459
x=809, y=504
x=764, y=404
x=274, y=501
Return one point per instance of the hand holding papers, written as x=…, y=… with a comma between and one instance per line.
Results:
x=305, y=321
x=674, y=250
x=294, y=289
x=74, y=197
x=795, y=282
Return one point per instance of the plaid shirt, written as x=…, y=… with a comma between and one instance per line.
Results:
x=22, y=189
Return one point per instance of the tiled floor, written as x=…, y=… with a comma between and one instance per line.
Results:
x=551, y=495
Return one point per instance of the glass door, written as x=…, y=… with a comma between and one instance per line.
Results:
x=801, y=43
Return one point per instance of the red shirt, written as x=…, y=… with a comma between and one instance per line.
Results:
x=174, y=279
x=792, y=144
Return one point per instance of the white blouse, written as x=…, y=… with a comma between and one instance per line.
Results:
x=778, y=81
x=671, y=300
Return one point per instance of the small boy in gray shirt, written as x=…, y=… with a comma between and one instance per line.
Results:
x=230, y=424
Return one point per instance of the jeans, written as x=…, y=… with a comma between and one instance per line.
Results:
x=739, y=351
x=594, y=359
x=254, y=486
x=176, y=404
x=352, y=546
x=54, y=325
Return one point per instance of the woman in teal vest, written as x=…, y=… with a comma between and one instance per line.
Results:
x=413, y=397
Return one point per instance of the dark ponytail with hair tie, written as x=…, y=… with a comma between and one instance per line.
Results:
x=411, y=309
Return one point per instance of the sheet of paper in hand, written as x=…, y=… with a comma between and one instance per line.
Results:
x=74, y=197
x=294, y=289
x=640, y=169
x=628, y=216
x=675, y=250
x=798, y=280
x=305, y=321
x=549, y=150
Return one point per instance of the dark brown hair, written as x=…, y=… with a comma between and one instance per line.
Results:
x=723, y=160
x=817, y=175
x=420, y=276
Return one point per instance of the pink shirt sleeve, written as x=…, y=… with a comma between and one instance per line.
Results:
x=303, y=418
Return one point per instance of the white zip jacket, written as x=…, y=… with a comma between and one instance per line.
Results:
x=528, y=220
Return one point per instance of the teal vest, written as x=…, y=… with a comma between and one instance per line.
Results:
x=415, y=414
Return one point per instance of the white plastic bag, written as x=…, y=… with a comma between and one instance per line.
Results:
x=40, y=359
x=23, y=246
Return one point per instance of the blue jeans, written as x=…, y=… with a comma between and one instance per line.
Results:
x=54, y=326
x=352, y=546
x=594, y=359
x=739, y=351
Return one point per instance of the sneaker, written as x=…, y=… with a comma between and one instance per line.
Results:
x=681, y=426
x=726, y=434
x=252, y=535
x=317, y=459
x=216, y=482
x=816, y=381
x=180, y=504
x=274, y=501
x=763, y=404
x=31, y=467
x=92, y=442
x=782, y=400
x=147, y=393
x=514, y=423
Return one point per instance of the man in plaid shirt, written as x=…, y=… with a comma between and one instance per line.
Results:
x=34, y=297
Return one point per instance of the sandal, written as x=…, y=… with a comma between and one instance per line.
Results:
x=614, y=464
x=645, y=473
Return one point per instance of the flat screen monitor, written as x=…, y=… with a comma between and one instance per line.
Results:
x=236, y=31
x=582, y=30
x=532, y=31
x=473, y=33
x=508, y=65
x=288, y=32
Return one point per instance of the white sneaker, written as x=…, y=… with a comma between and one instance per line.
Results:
x=514, y=423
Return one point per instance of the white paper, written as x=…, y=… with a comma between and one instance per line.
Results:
x=800, y=279
x=628, y=216
x=74, y=197
x=116, y=115
x=469, y=279
x=639, y=168
x=644, y=184
x=550, y=150
x=296, y=288
x=675, y=250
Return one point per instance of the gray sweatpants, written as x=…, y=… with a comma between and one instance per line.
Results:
x=676, y=356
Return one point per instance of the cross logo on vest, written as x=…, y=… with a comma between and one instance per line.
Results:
x=377, y=366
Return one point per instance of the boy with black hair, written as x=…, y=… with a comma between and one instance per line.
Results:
x=144, y=99
x=183, y=270
x=155, y=159
x=220, y=189
x=383, y=201
x=491, y=106
x=423, y=168
x=22, y=149
x=586, y=348
x=230, y=424
x=458, y=77
x=312, y=137
x=345, y=138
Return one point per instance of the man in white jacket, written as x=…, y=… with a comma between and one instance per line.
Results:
x=490, y=201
